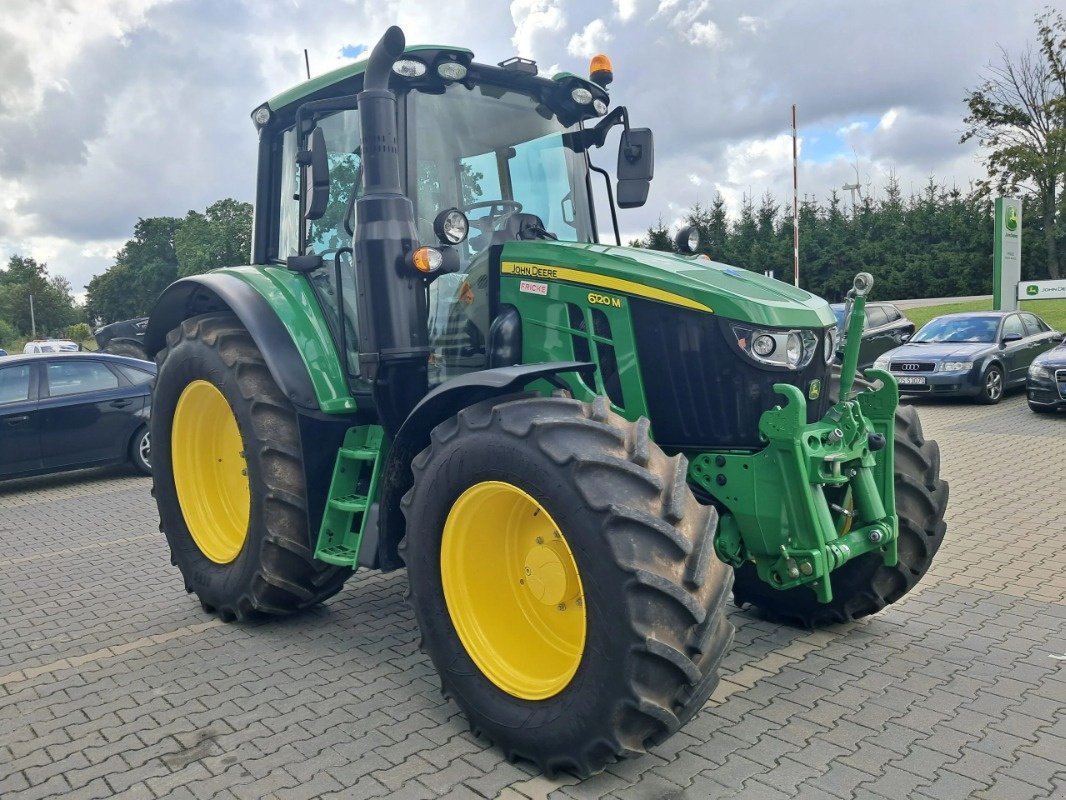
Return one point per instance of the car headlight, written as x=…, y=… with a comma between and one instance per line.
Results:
x=790, y=349
x=955, y=366
x=882, y=362
x=1037, y=371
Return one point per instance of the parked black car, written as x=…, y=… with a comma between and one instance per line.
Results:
x=885, y=327
x=978, y=354
x=61, y=411
x=124, y=338
x=1046, y=384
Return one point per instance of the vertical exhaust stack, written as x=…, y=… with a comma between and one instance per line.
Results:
x=393, y=337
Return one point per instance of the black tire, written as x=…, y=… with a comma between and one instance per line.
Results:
x=126, y=349
x=993, y=385
x=275, y=571
x=655, y=593
x=865, y=585
x=141, y=450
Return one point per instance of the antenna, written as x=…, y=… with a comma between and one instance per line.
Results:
x=307, y=64
x=795, y=205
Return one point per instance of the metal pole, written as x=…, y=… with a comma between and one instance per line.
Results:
x=795, y=205
x=307, y=64
x=33, y=319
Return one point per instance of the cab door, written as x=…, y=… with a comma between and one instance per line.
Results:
x=20, y=443
x=1015, y=348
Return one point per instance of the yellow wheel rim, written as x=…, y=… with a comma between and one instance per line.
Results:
x=513, y=590
x=210, y=472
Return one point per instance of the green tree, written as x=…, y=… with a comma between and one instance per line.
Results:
x=220, y=237
x=53, y=302
x=1018, y=114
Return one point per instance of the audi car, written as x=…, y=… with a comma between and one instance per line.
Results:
x=62, y=411
x=977, y=354
x=886, y=327
x=1046, y=384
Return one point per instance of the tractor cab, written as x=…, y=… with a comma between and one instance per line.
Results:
x=488, y=155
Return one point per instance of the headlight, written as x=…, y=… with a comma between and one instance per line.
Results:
x=955, y=366
x=1037, y=371
x=409, y=68
x=829, y=349
x=790, y=349
x=451, y=70
x=600, y=106
x=883, y=363
x=581, y=96
x=451, y=226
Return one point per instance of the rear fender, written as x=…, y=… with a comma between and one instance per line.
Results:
x=279, y=310
x=443, y=402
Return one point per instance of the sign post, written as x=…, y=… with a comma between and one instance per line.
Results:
x=1007, y=254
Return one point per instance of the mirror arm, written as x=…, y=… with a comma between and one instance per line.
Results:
x=610, y=196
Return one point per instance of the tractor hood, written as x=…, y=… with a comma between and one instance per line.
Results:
x=726, y=291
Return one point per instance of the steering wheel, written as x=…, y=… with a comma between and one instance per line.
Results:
x=486, y=224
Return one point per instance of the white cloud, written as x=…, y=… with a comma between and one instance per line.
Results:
x=888, y=119
x=703, y=33
x=590, y=41
x=531, y=18
x=625, y=9
x=750, y=24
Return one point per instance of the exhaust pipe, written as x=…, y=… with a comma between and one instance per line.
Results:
x=393, y=335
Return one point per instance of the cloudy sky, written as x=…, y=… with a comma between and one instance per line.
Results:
x=112, y=110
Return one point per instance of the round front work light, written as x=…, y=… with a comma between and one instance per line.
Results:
x=600, y=106
x=581, y=96
x=451, y=226
x=763, y=345
x=687, y=240
x=409, y=68
x=451, y=70
x=261, y=116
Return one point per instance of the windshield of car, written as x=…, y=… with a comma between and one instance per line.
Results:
x=493, y=152
x=958, y=329
x=839, y=312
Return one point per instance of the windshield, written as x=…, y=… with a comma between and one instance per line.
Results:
x=958, y=329
x=494, y=153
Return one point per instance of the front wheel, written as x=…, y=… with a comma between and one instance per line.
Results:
x=991, y=385
x=864, y=585
x=564, y=580
x=141, y=450
x=228, y=475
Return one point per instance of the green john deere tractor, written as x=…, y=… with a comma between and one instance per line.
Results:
x=576, y=449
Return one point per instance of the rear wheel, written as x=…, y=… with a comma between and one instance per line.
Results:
x=865, y=585
x=564, y=580
x=126, y=349
x=228, y=475
x=141, y=450
x=991, y=385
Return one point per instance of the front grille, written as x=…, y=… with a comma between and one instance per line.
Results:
x=701, y=391
x=913, y=366
x=1060, y=382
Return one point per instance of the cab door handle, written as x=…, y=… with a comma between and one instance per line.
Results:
x=13, y=421
x=120, y=403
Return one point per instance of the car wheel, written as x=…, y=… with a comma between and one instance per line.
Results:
x=991, y=385
x=141, y=450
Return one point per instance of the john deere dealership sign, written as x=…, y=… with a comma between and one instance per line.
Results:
x=1007, y=253
x=1042, y=290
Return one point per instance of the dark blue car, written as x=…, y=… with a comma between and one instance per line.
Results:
x=61, y=411
x=1046, y=386
x=978, y=354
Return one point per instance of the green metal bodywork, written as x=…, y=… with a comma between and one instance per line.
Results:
x=294, y=301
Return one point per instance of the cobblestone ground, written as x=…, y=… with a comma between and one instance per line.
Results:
x=113, y=682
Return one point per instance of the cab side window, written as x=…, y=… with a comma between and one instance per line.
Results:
x=875, y=317
x=67, y=378
x=1032, y=325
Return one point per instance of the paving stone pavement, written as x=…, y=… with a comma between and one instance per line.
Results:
x=113, y=682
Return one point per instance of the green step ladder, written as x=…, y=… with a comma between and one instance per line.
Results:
x=345, y=514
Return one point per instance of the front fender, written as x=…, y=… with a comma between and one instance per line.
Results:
x=443, y=402
x=279, y=310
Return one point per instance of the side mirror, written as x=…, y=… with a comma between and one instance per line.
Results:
x=636, y=167
x=905, y=337
x=316, y=189
x=1058, y=337
x=1011, y=337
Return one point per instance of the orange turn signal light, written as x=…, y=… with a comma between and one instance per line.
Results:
x=427, y=259
x=601, y=72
